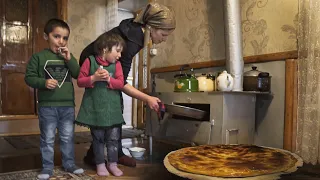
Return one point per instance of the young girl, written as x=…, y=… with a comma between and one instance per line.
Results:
x=100, y=109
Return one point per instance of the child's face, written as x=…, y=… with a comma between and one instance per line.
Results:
x=57, y=38
x=113, y=55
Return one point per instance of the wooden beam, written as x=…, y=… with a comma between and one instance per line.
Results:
x=290, y=104
x=140, y=104
x=199, y=65
x=281, y=56
x=295, y=108
x=63, y=9
x=17, y=117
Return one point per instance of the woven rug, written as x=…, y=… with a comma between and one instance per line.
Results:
x=58, y=174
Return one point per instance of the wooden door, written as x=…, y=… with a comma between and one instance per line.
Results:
x=22, y=23
x=16, y=96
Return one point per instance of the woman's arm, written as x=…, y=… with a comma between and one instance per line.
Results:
x=135, y=93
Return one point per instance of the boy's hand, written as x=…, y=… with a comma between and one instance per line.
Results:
x=64, y=52
x=51, y=83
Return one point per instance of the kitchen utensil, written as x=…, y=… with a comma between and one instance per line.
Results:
x=205, y=82
x=255, y=80
x=185, y=82
x=137, y=152
x=162, y=111
x=264, y=82
x=224, y=81
x=59, y=50
x=184, y=111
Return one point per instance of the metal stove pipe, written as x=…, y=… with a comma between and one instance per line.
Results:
x=233, y=38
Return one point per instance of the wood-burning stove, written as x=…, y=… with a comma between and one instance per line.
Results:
x=230, y=119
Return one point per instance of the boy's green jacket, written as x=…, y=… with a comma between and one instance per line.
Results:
x=48, y=65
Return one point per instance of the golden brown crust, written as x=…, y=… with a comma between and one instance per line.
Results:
x=231, y=160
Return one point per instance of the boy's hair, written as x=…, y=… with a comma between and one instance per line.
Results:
x=108, y=40
x=53, y=23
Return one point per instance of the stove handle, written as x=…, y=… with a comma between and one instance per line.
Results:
x=228, y=132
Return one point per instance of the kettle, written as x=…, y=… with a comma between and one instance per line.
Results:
x=185, y=82
x=255, y=80
x=224, y=82
x=205, y=83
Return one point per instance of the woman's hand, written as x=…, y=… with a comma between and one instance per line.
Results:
x=153, y=103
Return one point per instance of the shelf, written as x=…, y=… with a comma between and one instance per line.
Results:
x=227, y=92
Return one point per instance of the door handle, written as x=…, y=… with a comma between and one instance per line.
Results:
x=7, y=65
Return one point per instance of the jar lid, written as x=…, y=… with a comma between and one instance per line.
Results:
x=211, y=76
x=182, y=75
x=264, y=74
x=253, y=72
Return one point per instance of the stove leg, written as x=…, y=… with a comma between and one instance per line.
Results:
x=150, y=145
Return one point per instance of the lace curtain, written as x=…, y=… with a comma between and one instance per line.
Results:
x=111, y=14
x=308, y=127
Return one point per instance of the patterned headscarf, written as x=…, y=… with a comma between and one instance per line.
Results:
x=157, y=16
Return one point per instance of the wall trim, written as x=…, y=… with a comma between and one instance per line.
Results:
x=280, y=56
x=17, y=117
x=291, y=105
x=63, y=9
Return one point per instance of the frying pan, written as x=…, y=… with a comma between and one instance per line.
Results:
x=180, y=110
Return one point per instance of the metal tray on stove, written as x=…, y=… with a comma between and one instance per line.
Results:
x=184, y=111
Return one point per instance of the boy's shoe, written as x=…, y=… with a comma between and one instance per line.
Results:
x=44, y=174
x=75, y=170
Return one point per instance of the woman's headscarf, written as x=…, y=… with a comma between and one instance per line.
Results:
x=157, y=16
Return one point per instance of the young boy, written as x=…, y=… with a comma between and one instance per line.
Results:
x=51, y=71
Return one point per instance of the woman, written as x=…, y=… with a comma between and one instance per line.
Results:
x=155, y=22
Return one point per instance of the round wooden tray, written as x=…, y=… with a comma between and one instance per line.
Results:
x=273, y=176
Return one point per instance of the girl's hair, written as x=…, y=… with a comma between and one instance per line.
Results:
x=108, y=40
x=53, y=23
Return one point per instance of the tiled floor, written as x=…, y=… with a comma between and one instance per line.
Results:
x=148, y=168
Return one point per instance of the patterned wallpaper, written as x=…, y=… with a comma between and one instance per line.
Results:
x=269, y=26
x=196, y=38
x=87, y=22
x=199, y=35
